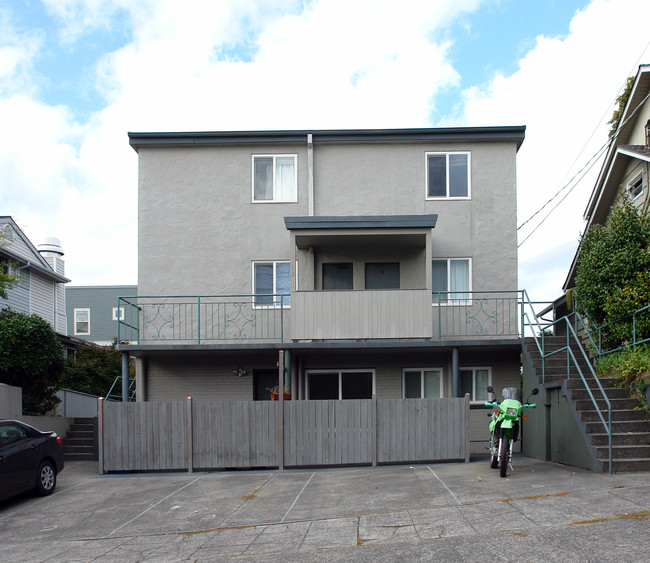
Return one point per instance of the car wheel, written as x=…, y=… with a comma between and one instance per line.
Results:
x=46, y=479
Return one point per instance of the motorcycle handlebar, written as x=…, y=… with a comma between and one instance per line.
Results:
x=532, y=405
x=493, y=404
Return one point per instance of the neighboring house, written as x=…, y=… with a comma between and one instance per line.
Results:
x=40, y=289
x=384, y=262
x=93, y=311
x=626, y=167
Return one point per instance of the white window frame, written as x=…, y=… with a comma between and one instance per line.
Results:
x=422, y=370
x=638, y=179
x=274, y=199
x=474, y=369
x=340, y=373
x=447, y=196
x=115, y=317
x=276, y=300
x=452, y=302
x=77, y=332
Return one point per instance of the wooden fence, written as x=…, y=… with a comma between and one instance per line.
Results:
x=199, y=435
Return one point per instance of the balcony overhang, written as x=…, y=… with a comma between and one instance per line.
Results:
x=402, y=231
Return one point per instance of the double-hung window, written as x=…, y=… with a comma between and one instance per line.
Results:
x=82, y=322
x=635, y=187
x=451, y=280
x=275, y=178
x=475, y=382
x=270, y=279
x=448, y=175
x=422, y=383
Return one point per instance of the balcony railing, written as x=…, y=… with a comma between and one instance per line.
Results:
x=203, y=319
x=320, y=315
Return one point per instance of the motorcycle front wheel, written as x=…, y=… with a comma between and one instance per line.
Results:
x=504, y=449
x=494, y=463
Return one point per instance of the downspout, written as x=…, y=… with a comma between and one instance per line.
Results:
x=455, y=373
x=310, y=175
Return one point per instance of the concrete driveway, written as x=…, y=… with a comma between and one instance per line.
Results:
x=542, y=512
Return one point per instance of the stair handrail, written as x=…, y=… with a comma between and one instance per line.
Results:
x=570, y=333
x=119, y=378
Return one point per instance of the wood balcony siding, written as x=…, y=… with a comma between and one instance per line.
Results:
x=363, y=314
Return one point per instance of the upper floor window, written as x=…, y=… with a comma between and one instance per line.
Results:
x=269, y=280
x=452, y=278
x=635, y=187
x=274, y=178
x=118, y=313
x=82, y=321
x=448, y=175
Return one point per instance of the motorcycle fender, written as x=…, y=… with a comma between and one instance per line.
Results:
x=492, y=425
x=506, y=424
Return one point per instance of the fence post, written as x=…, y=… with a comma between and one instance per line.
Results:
x=467, y=432
x=374, y=430
x=190, y=434
x=100, y=433
x=281, y=410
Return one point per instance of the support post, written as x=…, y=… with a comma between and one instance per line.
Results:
x=281, y=410
x=374, y=430
x=100, y=434
x=190, y=434
x=455, y=373
x=125, y=377
x=467, y=432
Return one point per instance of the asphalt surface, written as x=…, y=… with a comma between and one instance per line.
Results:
x=541, y=512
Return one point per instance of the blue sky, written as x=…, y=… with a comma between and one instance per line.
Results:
x=76, y=75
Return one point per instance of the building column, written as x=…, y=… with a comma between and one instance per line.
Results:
x=125, y=377
x=455, y=373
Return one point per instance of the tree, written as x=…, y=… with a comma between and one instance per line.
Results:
x=7, y=279
x=31, y=357
x=93, y=370
x=613, y=272
x=621, y=102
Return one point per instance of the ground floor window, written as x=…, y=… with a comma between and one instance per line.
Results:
x=340, y=384
x=422, y=383
x=475, y=382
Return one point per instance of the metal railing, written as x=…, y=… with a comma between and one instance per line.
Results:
x=203, y=319
x=636, y=337
x=539, y=335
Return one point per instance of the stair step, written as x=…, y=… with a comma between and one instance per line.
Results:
x=625, y=465
x=617, y=427
x=616, y=404
x=79, y=448
x=627, y=451
x=80, y=434
x=612, y=393
x=577, y=383
x=78, y=456
x=79, y=442
x=622, y=439
x=617, y=415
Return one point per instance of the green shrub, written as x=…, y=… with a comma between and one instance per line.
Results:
x=630, y=368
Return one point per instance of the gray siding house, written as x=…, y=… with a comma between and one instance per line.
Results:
x=383, y=262
x=41, y=272
x=93, y=311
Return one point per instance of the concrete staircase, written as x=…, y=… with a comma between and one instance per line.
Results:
x=630, y=426
x=79, y=442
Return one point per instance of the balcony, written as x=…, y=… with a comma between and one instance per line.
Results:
x=320, y=315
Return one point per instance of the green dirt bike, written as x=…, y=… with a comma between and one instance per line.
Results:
x=504, y=426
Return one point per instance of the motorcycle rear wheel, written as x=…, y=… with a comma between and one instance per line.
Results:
x=504, y=449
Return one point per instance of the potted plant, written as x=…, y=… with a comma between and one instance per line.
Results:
x=275, y=395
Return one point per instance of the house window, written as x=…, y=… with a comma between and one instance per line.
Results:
x=635, y=187
x=82, y=321
x=422, y=383
x=337, y=275
x=448, y=175
x=382, y=275
x=475, y=382
x=270, y=279
x=115, y=314
x=451, y=280
x=274, y=178
x=340, y=384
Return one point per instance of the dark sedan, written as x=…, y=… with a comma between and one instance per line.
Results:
x=29, y=459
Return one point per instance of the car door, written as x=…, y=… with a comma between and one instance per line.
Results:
x=18, y=457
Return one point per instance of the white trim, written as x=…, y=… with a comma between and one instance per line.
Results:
x=340, y=373
x=121, y=314
x=75, y=312
x=422, y=370
x=273, y=198
x=447, y=196
x=474, y=369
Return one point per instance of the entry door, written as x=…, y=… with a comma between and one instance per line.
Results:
x=263, y=379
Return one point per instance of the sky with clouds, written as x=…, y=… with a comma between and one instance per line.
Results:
x=77, y=75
